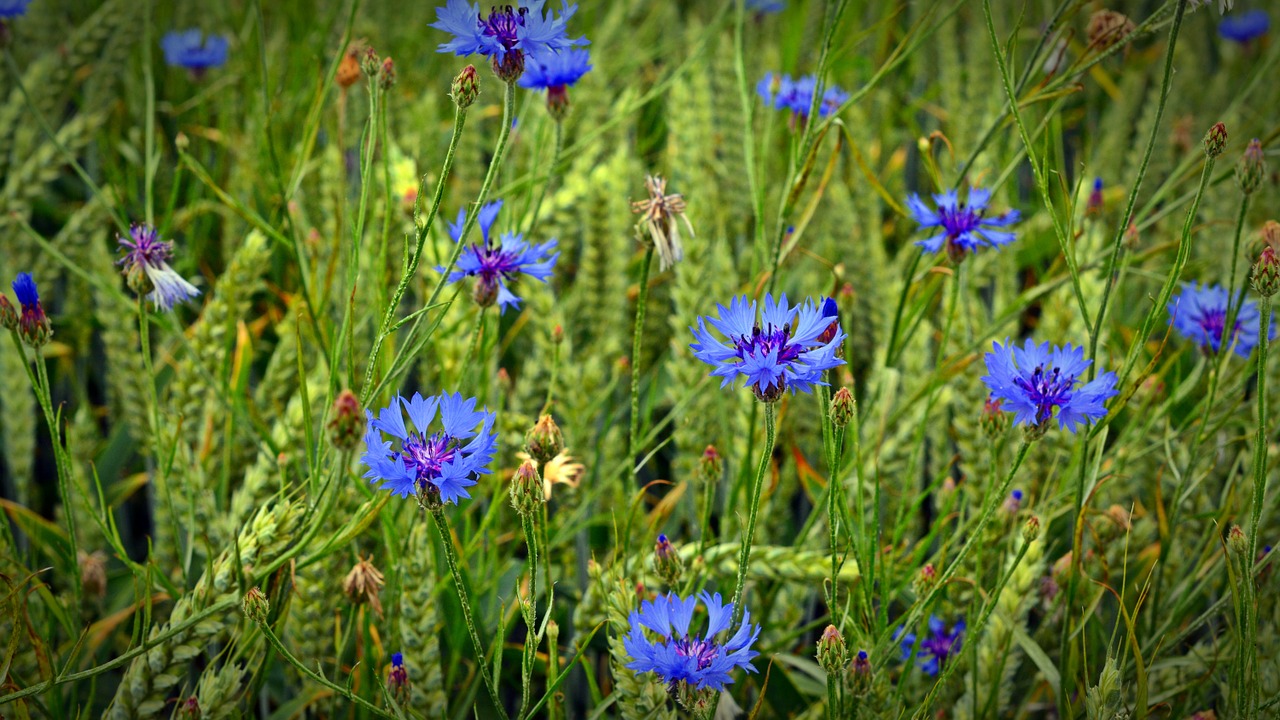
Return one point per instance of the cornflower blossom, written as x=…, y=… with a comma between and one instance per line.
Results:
x=1245, y=27
x=555, y=72
x=766, y=7
x=32, y=325
x=507, y=35
x=695, y=660
x=939, y=645
x=1199, y=313
x=964, y=227
x=783, y=93
x=437, y=467
x=782, y=350
x=13, y=8
x=146, y=268
x=1039, y=382
x=495, y=264
x=190, y=49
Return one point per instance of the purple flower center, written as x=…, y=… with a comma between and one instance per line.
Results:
x=425, y=456
x=940, y=646
x=703, y=651
x=1212, y=322
x=765, y=341
x=1046, y=390
x=503, y=24
x=958, y=220
x=146, y=250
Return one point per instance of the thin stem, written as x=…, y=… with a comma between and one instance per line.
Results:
x=551, y=178
x=634, y=431
x=289, y=657
x=1259, y=496
x=451, y=557
x=748, y=535
x=529, y=611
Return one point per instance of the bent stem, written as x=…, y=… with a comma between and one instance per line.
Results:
x=744, y=554
x=451, y=557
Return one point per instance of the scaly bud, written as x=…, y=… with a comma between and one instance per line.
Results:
x=526, y=489
x=993, y=420
x=831, y=650
x=925, y=581
x=255, y=606
x=387, y=74
x=1031, y=530
x=370, y=63
x=398, y=677
x=710, y=466
x=1237, y=541
x=8, y=314
x=1266, y=273
x=666, y=561
x=189, y=709
x=544, y=441
x=1252, y=168
x=346, y=425
x=1215, y=141
x=842, y=407
x=466, y=87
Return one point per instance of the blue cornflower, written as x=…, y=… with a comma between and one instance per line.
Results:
x=939, y=645
x=146, y=268
x=33, y=325
x=1199, y=313
x=675, y=655
x=783, y=93
x=192, y=50
x=766, y=6
x=965, y=227
x=13, y=8
x=784, y=349
x=1245, y=26
x=496, y=264
x=1038, y=383
x=555, y=72
x=436, y=467
x=507, y=35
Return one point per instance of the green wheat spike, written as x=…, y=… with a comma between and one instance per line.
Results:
x=152, y=677
x=220, y=689
x=639, y=696
x=420, y=626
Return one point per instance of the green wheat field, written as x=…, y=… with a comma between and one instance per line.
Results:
x=646, y=360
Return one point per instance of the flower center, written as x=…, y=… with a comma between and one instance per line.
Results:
x=703, y=651
x=425, y=456
x=1213, y=322
x=958, y=220
x=1046, y=390
x=766, y=341
x=939, y=647
x=503, y=24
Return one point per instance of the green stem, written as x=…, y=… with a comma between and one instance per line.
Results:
x=529, y=610
x=748, y=535
x=1259, y=496
x=451, y=557
x=551, y=178
x=289, y=657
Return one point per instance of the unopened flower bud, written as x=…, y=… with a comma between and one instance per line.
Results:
x=189, y=709
x=255, y=605
x=558, y=102
x=1215, y=141
x=557, y=334
x=1094, y=206
x=93, y=574
x=1266, y=273
x=398, y=677
x=466, y=87
x=544, y=441
x=993, y=420
x=925, y=580
x=1237, y=541
x=8, y=314
x=370, y=63
x=526, y=489
x=362, y=585
x=1252, y=168
x=387, y=74
x=1013, y=503
x=1031, y=530
x=831, y=650
x=348, y=69
x=346, y=424
x=861, y=673
x=666, y=561
x=710, y=466
x=842, y=407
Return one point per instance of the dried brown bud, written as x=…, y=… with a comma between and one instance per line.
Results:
x=348, y=69
x=1108, y=27
x=363, y=583
x=93, y=574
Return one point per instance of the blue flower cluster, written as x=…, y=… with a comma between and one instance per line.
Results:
x=190, y=49
x=495, y=264
x=508, y=34
x=783, y=93
x=964, y=227
x=786, y=348
x=1199, y=313
x=1038, y=383
x=430, y=464
x=678, y=657
x=13, y=8
x=1245, y=27
x=939, y=645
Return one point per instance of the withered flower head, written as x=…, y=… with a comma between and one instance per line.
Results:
x=658, y=221
x=363, y=583
x=93, y=573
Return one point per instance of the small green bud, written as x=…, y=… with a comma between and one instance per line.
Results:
x=255, y=606
x=387, y=74
x=8, y=314
x=831, y=650
x=1266, y=273
x=842, y=408
x=1237, y=541
x=710, y=466
x=994, y=420
x=666, y=561
x=346, y=425
x=1031, y=530
x=1252, y=168
x=544, y=441
x=466, y=87
x=1215, y=141
x=925, y=581
x=526, y=489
